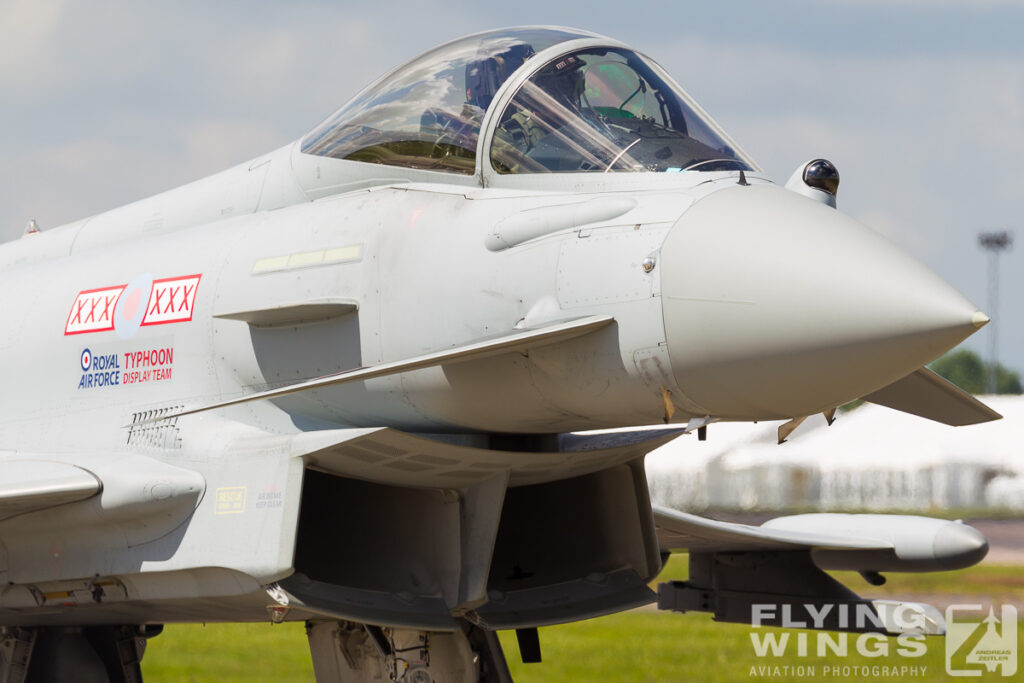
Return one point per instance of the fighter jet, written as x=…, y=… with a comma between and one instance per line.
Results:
x=350, y=382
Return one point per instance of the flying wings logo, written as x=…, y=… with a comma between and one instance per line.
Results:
x=126, y=308
x=973, y=644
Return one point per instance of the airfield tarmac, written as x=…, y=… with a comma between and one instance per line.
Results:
x=1005, y=538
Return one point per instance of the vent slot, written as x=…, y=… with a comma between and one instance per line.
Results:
x=150, y=430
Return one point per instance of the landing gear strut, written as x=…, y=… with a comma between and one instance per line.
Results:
x=347, y=651
x=100, y=654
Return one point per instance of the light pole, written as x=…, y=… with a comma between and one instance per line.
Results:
x=994, y=243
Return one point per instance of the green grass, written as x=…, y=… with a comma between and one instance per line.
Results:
x=635, y=646
x=642, y=645
x=1000, y=583
x=663, y=647
x=228, y=652
x=996, y=583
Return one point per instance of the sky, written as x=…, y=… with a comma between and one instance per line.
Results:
x=920, y=104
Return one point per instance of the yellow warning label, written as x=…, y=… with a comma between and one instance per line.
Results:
x=230, y=500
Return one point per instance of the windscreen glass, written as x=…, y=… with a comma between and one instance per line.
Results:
x=602, y=110
x=427, y=113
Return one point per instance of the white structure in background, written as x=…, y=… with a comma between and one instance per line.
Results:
x=871, y=458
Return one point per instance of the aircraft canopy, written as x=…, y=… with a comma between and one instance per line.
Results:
x=593, y=109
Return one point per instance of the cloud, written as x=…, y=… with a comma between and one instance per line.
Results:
x=910, y=132
x=106, y=103
x=218, y=144
x=27, y=30
x=928, y=145
x=933, y=4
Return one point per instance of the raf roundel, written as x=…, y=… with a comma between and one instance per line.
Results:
x=86, y=360
x=131, y=306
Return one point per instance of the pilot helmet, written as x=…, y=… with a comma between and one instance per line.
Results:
x=484, y=76
x=563, y=80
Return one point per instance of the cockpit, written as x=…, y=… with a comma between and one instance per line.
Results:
x=600, y=107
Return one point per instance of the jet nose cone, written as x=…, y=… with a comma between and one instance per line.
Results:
x=958, y=546
x=777, y=306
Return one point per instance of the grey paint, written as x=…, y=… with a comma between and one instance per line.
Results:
x=301, y=267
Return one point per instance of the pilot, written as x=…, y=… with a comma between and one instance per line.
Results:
x=552, y=100
x=453, y=136
x=485, y=76
x=563, y=83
